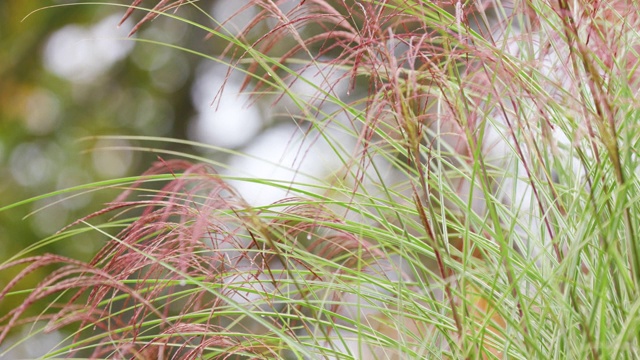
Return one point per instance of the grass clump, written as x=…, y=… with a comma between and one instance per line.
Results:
x=484, y=207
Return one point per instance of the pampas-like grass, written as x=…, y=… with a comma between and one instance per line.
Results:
x=486, y=211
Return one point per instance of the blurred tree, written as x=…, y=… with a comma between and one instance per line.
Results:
x=67, y=73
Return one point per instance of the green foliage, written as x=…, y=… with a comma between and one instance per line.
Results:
x=483, y=204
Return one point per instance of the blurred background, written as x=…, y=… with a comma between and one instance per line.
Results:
x=69, y=75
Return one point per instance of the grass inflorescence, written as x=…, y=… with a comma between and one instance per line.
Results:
x=485, y=205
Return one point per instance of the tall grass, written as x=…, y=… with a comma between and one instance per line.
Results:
x=486, y=209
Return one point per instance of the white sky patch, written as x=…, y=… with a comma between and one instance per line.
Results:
x=31, y=342
x=317, y=83
x=237, y=14
x=32, y=164
x=224, y=10
x=81, y=54
x=224, y=119
x=283, y=154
